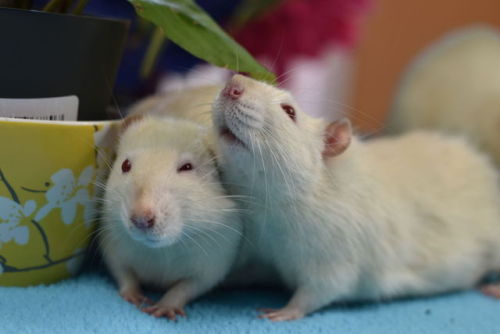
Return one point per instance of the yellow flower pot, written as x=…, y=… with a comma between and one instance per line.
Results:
x=48, y=174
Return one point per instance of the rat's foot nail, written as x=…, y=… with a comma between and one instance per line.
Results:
x=170, y=312
x=492, y=290
x=135, y=297
x=283, y=314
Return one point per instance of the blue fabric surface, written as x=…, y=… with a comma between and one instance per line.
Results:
x=90, y=304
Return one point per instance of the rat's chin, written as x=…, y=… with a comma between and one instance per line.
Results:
x=153, y=240
x=151, y=243
x=229, y=137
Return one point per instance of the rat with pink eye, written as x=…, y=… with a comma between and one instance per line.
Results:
x=340, y=219
x=167, y=221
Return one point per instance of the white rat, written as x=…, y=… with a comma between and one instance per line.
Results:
x=341, y=219
x=167, y=221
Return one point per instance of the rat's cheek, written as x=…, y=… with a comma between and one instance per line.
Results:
x=218, y=117
x=172, y=230
x=175, y=213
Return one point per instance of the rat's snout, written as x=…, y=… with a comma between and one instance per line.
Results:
x=233, y=90
x=143, y=219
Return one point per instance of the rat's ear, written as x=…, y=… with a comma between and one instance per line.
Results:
x=129, y=120
x=337, y=138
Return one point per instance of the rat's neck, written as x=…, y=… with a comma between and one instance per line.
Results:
x=294, y=173
x=345, y=168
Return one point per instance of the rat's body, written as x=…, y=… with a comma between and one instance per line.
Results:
x=193, y=104
x=167, y=220
x=340, y=219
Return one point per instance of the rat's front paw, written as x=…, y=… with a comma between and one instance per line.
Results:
x=283, y=314
x=135, y=297
x=169, y=311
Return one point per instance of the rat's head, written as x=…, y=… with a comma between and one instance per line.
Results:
x=259, y=123
x=164, y=184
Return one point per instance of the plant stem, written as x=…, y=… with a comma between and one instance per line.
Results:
x=157, y=41
x=45, y=240
x=53, y=5
x=33, y=190
x=11, y=269
x=9, y=188
x=80, y=6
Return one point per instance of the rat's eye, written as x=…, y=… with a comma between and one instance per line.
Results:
x=126, y=166
x=289, y=110
x=185, y=168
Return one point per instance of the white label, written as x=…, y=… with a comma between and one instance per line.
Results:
x=63, y=108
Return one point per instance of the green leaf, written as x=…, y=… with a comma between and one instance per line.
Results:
x=154, y=49
x=190, y=27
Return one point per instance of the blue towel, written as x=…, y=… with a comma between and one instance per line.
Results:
x=90, y=304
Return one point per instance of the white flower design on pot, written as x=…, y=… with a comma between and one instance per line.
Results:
x=11, y=214
x=66, y=193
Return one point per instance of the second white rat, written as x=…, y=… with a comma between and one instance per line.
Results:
x=167, y=220
x=342, y=219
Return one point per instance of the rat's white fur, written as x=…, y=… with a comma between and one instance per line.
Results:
x=197, y=231
x=193, y=104
x=454, y=87
x=413, y=215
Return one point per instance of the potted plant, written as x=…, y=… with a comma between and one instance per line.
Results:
x=53, y=55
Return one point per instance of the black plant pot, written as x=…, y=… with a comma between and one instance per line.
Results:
x=52, y=55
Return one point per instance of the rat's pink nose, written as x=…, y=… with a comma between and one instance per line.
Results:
x=233, y=91
x=143, y=220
